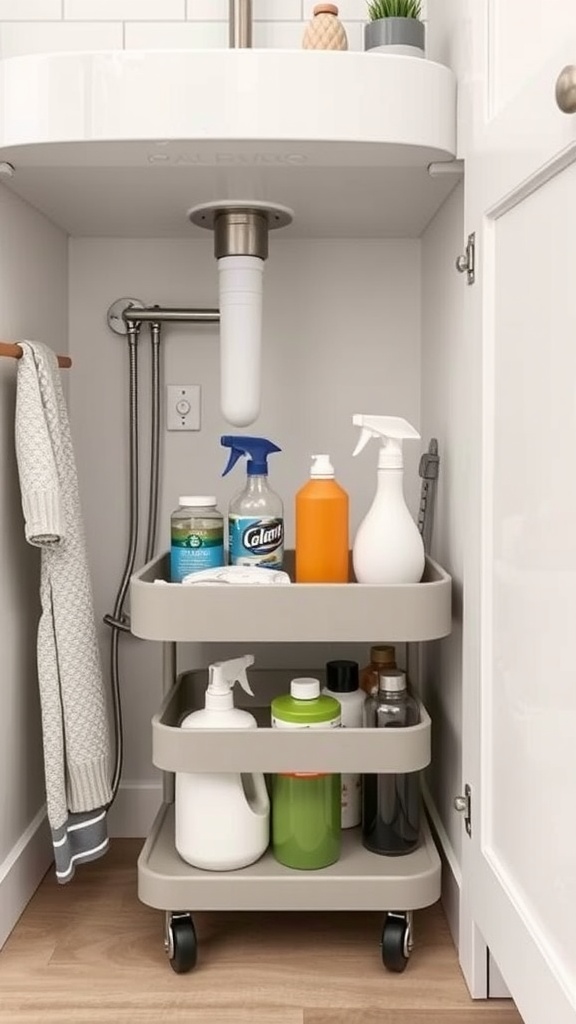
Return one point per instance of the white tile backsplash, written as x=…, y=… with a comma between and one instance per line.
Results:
x=355, y=34
x=348, y=10
x=278, y=35
x=18, y=38
x=277, y=10
x=288, y=35
x=37, y=26
x=30, y=10
x=124, y=10
x=207, y=10
x=189, y=35
x=262, y=10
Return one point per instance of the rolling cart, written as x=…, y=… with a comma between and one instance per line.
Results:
x=360, y=880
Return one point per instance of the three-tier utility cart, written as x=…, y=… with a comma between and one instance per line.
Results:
x=360, y=880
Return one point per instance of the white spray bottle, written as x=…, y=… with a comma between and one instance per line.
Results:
x=388, y=547
x=222, y=819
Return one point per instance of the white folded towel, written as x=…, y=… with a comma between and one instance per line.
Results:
x=238, y=575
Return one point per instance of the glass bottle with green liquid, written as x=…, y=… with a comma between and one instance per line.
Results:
x=306, y=813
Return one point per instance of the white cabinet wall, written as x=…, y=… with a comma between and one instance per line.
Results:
x=519, y=707
x=444, y=401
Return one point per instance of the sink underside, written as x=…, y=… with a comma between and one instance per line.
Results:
x=124, y=143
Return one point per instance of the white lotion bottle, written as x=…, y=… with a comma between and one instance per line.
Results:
x=222, y=819
x=342, y=683
x=388, y=547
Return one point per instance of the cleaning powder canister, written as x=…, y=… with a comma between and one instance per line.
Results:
x=196, y=536
x=306, y=805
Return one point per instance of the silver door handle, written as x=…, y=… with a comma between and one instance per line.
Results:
x=566, y=89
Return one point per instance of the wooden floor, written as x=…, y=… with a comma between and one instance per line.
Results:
x=89, y=951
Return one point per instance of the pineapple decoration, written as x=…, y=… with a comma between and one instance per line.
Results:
x=325, y=31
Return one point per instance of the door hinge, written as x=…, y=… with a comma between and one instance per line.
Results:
x=466, y=264
x=463, y=804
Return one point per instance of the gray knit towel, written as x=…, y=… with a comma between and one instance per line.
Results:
x=75, y=727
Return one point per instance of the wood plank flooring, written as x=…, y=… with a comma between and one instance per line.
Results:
x=91, y=952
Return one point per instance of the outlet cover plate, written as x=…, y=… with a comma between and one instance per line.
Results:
x=182, y=407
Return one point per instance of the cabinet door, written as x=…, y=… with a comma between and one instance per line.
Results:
x=519, y=864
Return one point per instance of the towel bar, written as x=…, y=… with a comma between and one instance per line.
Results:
x=7, y=348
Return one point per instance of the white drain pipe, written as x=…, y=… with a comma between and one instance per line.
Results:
x=240, y=246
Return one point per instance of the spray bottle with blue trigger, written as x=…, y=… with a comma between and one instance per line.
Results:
x=256, y=514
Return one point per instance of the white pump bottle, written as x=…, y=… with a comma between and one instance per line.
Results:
x=222, y=819
x=388, y=547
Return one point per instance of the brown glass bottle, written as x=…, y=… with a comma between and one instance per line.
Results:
x=382, y=657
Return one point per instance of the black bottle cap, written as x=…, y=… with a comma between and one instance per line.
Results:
x=342, y=676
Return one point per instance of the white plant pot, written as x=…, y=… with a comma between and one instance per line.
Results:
x=406, y=36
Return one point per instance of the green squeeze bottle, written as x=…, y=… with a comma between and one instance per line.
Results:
x=306, y=805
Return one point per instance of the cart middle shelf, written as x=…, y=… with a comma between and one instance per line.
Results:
x=277, y=750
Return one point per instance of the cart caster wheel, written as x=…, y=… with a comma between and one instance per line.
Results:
x=181, y=943
x=396, y=943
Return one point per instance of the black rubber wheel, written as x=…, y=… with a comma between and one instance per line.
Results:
x=395, y=950
x=184, y=943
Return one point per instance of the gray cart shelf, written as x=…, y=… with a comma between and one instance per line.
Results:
x=360, y=880
x=301, y=612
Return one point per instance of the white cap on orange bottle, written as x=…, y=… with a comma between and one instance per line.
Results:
x=322, y=468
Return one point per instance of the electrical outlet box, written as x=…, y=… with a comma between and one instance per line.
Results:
x=182, y=407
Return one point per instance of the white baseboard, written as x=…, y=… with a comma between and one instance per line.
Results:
x=22, y=871
x=451, y=872
x=134, y=809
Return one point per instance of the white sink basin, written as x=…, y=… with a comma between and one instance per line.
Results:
x=343, y=138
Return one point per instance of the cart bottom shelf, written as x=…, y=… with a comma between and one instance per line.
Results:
x=360, y=880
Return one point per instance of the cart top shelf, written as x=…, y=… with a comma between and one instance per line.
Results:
x=300, y=612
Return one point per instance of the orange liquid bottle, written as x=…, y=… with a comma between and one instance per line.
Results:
x=322, y=527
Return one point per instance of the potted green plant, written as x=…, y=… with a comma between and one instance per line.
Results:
x=395, y=26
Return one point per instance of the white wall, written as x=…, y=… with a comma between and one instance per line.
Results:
x=39, y=26
x=444, y=356
x=341, y=335
x=33, y=304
